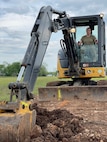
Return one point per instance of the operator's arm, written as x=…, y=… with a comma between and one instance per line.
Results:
x=94, y=39
x=81, y=42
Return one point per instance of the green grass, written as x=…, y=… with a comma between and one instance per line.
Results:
x=5, y=92
x=41, y=82
x=96, y=79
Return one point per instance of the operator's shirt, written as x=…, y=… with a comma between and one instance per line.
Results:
x=88, y=40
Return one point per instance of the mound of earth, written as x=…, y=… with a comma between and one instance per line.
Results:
x=61, y=126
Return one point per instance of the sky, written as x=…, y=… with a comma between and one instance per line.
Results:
x=17, y=18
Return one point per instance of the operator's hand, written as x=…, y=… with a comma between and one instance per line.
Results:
x=96, y=41
x=79, y=43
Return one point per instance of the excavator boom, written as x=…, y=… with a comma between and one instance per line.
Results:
x=34, y=55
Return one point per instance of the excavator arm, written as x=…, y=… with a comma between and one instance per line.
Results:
x=40, y=36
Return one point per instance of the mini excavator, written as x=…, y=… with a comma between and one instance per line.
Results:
x=74, y=61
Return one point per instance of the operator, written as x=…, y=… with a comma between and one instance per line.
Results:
x=88, y=39
x=88, y=49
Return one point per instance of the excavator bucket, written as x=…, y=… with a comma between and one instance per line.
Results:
x=16, y=121
x=93, y=93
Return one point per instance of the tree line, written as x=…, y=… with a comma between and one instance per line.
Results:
x=14, y=68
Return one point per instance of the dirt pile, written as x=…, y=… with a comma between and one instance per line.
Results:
x=55, y=126
x=61, y=126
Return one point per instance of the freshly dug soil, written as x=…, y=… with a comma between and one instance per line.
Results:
x=59, y=125
x=56, y=126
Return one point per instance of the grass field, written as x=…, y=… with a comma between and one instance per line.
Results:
x=41, y=82
x=4, y=81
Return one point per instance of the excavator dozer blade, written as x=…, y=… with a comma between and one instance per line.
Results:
x=94, y=93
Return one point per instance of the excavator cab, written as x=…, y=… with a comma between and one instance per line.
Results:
x=91, y=59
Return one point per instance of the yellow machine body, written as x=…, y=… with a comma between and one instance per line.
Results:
x=89, y=72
